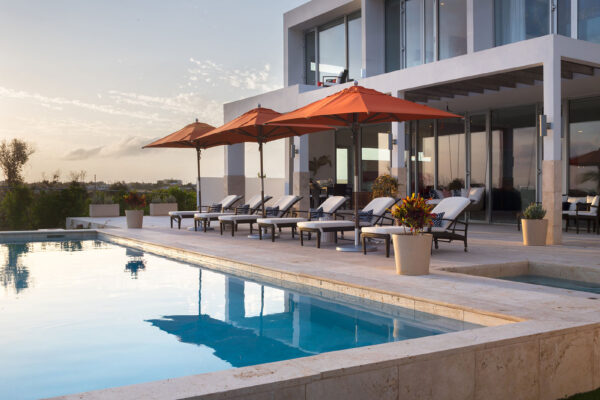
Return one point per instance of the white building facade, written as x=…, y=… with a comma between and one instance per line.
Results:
x=525, y=74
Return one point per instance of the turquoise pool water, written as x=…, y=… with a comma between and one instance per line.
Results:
x=83, y=315
x=556, y=282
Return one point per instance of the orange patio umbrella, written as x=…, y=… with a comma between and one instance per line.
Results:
x=184, y=138
x=251, y=127
x=352, y=108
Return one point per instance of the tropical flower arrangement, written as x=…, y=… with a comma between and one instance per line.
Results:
x=135, y=201
x=413, y=213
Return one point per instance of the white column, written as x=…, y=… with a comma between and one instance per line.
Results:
x=301, y=172
x=234, y=175
x=552, y=154
x=399, y=153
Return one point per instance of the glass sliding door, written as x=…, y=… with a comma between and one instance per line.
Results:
x=344, y=171
x=354, y=46
x=451, y=154
x=479, y=166
x=588, y=20
x=376, y=154
x=516, y=20
x=413, y=31
x=332, y=49
x=584, y=147
x=425, y=156
x=429, y=31
x=452, y=28
x=514, y=161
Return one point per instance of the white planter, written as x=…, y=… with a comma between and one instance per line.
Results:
x=135, y=218
x=161, y=209
x=412, y=253
x=104, y=210
x=534, y=231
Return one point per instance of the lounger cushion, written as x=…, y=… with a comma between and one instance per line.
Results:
x=207, y=215
x=574, y=201
x=276, y=221
x=386, y=230
x=434, y=201
x=332, y=204
x=379, y=206
x=181, y=213
x=284, y=203
x=451, y=207
x=329, y=224
x=234, y=217
x=229, y=200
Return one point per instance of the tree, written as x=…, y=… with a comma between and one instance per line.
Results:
x=13, y=157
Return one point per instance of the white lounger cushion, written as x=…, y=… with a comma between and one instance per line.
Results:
x=320, y=225
x=284, y=203
x=379, y=206
x=254, y=201
x=332, y=203
x=451, y=207
x=229, y=200
x=181, y=213
x=276, y=221
x=210, y=215
x=394, y=230
x=239, y=217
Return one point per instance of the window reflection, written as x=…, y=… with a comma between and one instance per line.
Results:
x=451, y=154
x=354, y=46
x=375, y=153
x=564, y=17
x=332, y=49
x=425, y=156
x=392, y=35
x=584, y=157
x=588, y=20
x=414, y=33
x=453, y=28
x=310, y=67
x=517, y=20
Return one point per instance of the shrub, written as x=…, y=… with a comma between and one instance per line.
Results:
x=385, y=186
x=185, y=199
x=16, y=208
x=534, y=211
x=101, y=198
x=51, y=208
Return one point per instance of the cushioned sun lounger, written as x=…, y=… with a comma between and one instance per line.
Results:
x=204, y=218
x=326, y=210
x=449, y=229
x=280, y=209
x=225, y=204
x=373, y=213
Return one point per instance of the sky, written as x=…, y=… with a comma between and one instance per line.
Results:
x=88, y=83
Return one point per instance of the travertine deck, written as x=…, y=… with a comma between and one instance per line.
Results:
x=555, y=352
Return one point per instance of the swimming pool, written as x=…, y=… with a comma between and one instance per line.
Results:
x=84, y=315
x=556, y=282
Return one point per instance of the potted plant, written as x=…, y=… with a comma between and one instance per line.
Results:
x=534, y=226
x=162, y=205
x=135, y=203
x=412, y=250
x=103, y=205
x=385, y=186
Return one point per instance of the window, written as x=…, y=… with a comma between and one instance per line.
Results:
x=588, y=20
x=564, y=17
x=451, y=153
x=376, y=153
x=584, y=148
x=516, y=20
x=453, y=28
x=414, y=33
x=332, y=48
x=392, y=35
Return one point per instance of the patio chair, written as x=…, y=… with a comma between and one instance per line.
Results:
x=226, y=204
x=205, y=218
x=326, y=210
x=585, y=211
x=450, y=227
x=378, y=207
x=279, y=209
x=331, y=80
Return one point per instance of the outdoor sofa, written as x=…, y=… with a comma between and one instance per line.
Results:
x=205, y=218
x=449, y=229
x=584, y=209
x=225, y=204
x=279, y=209
x=373, y=214
x=327, y=210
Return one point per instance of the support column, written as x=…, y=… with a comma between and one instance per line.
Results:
x=399, y=154
x=552, y=164
x=234, y=177
x=301, y=172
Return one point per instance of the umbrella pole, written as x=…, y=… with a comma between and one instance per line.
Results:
x=198, y=188
x=262, y=177
x=355, y=133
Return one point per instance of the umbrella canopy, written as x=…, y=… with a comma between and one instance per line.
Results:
x=251, y=127
x=184, y=138
x=356, y=106
x=590, y=159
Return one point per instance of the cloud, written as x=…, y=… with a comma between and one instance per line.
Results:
x=126, y=147
x=82, y=154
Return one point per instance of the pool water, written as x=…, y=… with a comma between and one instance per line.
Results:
x=83, y=315
x=556, y=282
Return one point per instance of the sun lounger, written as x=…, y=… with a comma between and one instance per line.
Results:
x=378, y=206
x=450, y=227
x=280, y=208
x=205, y=218
x=326, y=210
x=226, y=204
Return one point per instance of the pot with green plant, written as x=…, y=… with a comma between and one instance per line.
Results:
x=534, y=226
x=102, y=205
x=134, y=212
x=412, y=250
x=161, y=205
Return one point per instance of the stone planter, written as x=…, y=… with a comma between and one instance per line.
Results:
x=135, y=218
x=412, y=253
x=161, y=209
x=534, y=231
x=104, y=210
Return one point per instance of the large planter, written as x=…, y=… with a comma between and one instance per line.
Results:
x=412, y=253
x=534, y=231
x=135, y=218
x=161, y=209
x=104, y=210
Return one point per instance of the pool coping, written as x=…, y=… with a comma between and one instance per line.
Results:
x=390, y=370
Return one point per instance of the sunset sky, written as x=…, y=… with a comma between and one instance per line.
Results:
x=88, y=83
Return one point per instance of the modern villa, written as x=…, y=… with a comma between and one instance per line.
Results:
x=523, y=73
